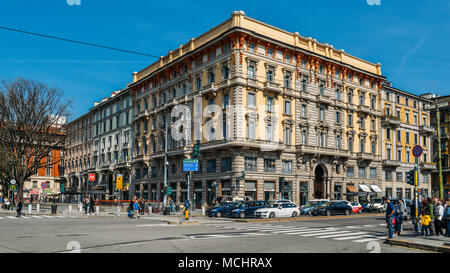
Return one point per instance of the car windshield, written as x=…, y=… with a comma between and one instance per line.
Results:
x=355, y=204
x=310, y=203
x=273, y=206
x=325, y=204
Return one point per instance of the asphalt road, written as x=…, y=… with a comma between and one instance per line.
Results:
x=211, y=235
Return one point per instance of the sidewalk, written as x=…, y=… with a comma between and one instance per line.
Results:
x=415, y=240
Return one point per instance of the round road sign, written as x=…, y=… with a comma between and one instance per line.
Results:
x=417, y=151
x=44, y=185
x=13, y=182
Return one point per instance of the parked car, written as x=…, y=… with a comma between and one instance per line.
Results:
x=314, y=201
x=224, y=209
x=356, y=207
x=307, y=210
x=248, y=208
x=283, y=209
x=280, y=201
x=377, y=205
x=332, y=208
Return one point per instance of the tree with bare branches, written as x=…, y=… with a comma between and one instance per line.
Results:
x=31, y=115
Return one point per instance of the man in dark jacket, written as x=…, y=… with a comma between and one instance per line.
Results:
x=389, y=217
x=431, y=210
x=19, y=208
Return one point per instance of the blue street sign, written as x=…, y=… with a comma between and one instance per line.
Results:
x=190, y=165
x=44, y=185
x=417, y=151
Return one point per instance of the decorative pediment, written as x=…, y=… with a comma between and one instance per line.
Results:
x=288, y=121
x=321, y=127
x=270, y=119
x=351, y=132
x=303, y=124
x=373, y=136
x=252, y=115
x=362, y=134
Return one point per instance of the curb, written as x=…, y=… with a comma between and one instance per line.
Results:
x=409, y=244
x=182, y=223
x=304, y=218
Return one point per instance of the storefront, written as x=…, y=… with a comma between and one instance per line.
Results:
x=212, y=191
x=198, y=194
x=250, y=190
x=226, y=188
x=337, y=194
x=352, y=193
x=269, y=190
x=377, y=190
x=303, y=193
x=365, y=193
x=286, y=192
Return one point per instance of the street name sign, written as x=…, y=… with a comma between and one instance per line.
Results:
x=190, y=165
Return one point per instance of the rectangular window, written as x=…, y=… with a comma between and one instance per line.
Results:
x=350, y=172
x=287, y=135
x=269, y=104
x=373, y=173
x=251, y=100
x=250, y=164
x=287, y=107
x=251, y=71
x=350, y=120
x=398, y=176
x=362, y=172
x=286, y=166
x=211, y=167
x=304, y=110
x=226, y=164
x=269, y=165
x=251, y=129
x=338, y=117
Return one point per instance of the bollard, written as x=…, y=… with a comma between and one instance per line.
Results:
x=37, y=208
x=70, y=209
x=118, y=211
x=97, y=210
x=150, y=210
x=80, y=208
x=203, y=210
x=186, y=215
x=29, y=208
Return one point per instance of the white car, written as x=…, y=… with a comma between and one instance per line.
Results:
x=280, y=201
x=284, y=209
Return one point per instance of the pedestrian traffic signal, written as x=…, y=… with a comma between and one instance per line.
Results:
x=196, y=149
x=164, y=190
x=169, y=191
x=62, y=187
x=410, y=177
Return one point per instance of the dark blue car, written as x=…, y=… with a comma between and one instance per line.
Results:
x=223, y=209
x=248, y=208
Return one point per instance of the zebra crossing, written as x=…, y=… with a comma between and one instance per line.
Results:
x=356, y=233
x=3, y=217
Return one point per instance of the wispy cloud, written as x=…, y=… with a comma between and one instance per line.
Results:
x=410, y=52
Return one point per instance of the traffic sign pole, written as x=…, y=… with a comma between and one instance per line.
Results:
x=417, y=152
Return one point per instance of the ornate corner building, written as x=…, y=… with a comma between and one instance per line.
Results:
x=307, y=126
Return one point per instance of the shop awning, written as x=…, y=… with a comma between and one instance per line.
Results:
x=375, y=188
x=351, y=189
x=364, y=188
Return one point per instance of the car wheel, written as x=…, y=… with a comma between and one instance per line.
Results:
x=242, y=215
x=219, y=214
x=272, y=215
x=294, y=214
x=347, y=212
x=329, y=213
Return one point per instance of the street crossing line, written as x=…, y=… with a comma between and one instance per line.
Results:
x=332, y=233
x=11, y=217
x=46, y=216
x=1, y=218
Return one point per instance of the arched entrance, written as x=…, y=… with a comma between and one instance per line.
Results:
x=320, y=174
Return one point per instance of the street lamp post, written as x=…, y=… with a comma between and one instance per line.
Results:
x=165, y=166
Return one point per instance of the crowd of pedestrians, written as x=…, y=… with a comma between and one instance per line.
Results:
x=433, y=217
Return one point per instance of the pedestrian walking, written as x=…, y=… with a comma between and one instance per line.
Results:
x=438, y=214
x=141, y=204
x=130, y=209
x=398, y=217
x=7, y=203
x=431, y=206
x=447, y=218
x=389, y=217
x=91, y=205
x=86, y=204
x=136, y=208
x=19, y=207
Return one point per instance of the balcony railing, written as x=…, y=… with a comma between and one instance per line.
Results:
x=364, y=109
x=323, y=99
x=392, y=163
x=428, y=166
x=272, y=87
x=210, y=89
x=423, y=129
x=365, y=156
x=390, y=120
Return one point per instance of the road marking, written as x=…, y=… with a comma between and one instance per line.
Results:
x=48, y=216
x=26, y=217
x=313, y=230
x=11, y=217
x=352, y=227
x=36, y=216
x=376, y=238
x=291, y=230
x=346, y=233
x=210, y=236
x=155, y=225
x=1, y=218
x=351, y=237
x=332, y=232
x=368, y=226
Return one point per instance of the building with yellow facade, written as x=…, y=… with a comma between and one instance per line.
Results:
x=406, y=123
x=299, y=118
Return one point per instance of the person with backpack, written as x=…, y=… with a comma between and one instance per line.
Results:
x=91, y=205
x=86, y=204
x=130, y=209
x=398, y=216
x=431, y=206
x=19, y=208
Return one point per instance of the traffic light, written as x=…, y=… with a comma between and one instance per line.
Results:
x=169, y=191
x=410, y=177
x=196, y=149
x=62, y=188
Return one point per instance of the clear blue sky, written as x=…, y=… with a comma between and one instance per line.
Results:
x=410, y=38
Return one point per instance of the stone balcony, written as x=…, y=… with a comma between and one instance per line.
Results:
x=365, y=156
x=210, y=90
x=426, y=130
x=391, y=163
x=390, y=120
x=339, y=103
x=272, y=87
x=364, y=109
x=323, y=99
x=427, y=166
